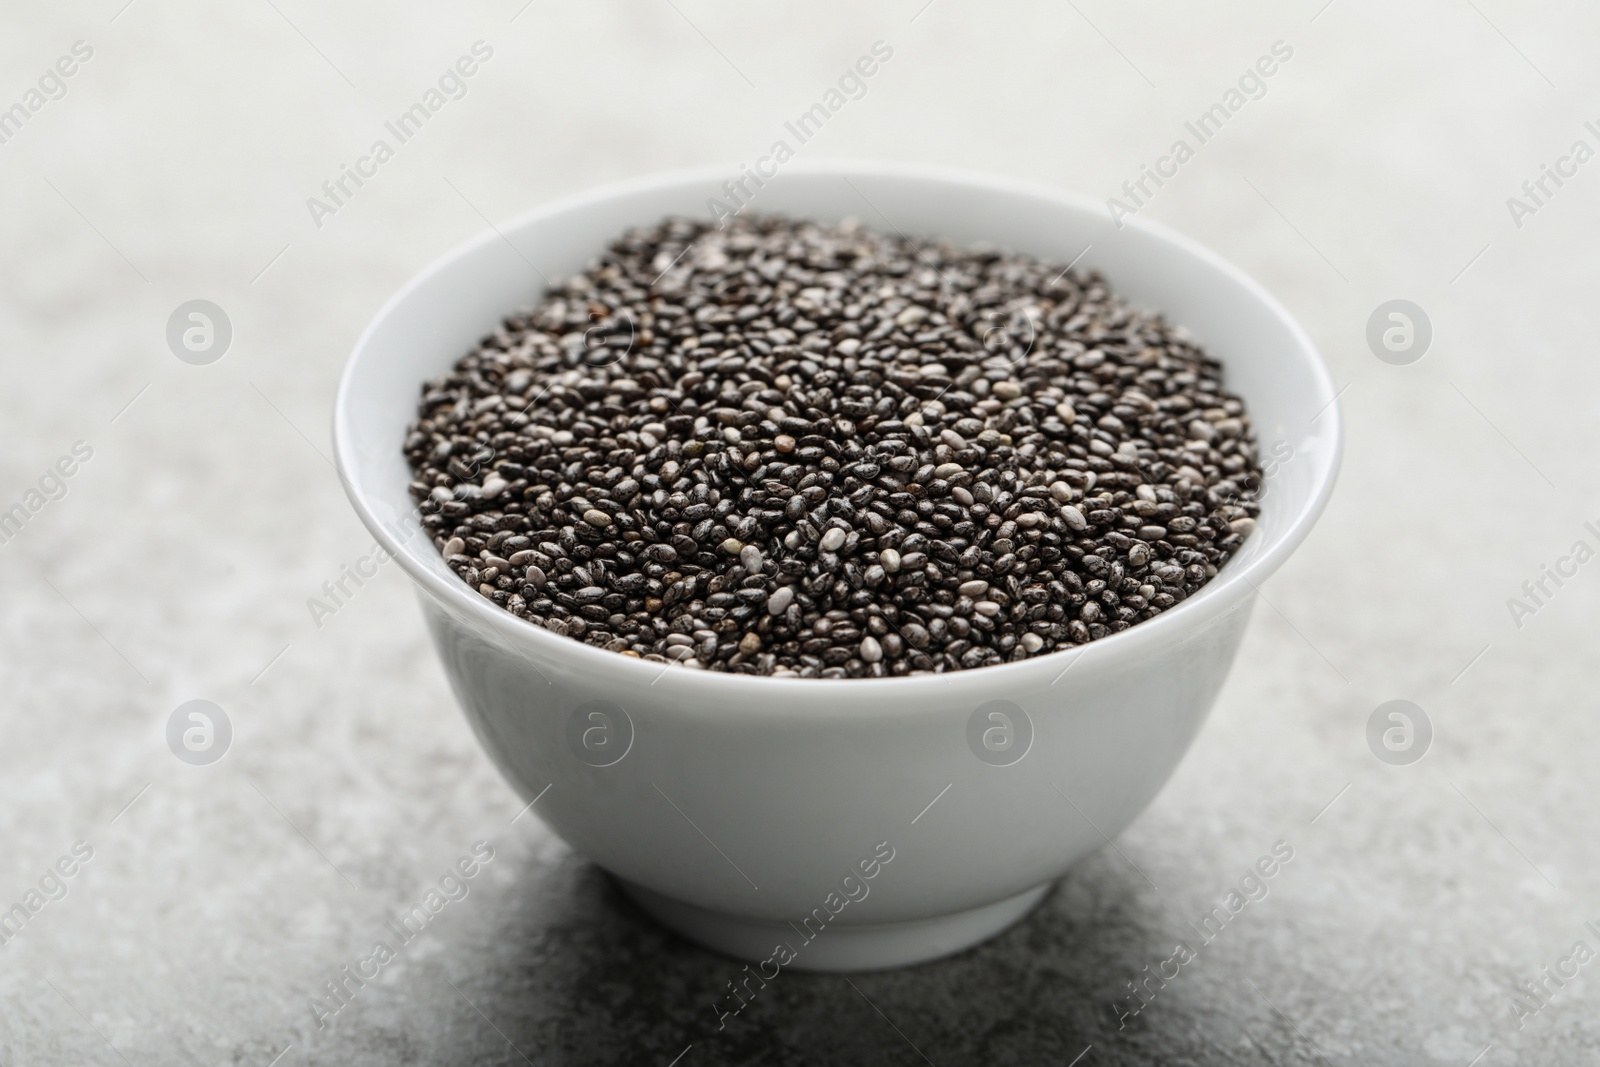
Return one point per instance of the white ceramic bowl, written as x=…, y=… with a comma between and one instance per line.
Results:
x=753, y=814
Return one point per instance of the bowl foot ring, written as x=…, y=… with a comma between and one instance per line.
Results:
x=839, y=946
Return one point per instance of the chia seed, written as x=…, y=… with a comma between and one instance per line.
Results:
x=783, y=448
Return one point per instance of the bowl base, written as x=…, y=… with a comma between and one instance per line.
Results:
x=841, y=946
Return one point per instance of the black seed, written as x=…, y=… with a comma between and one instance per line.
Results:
x=824, y=452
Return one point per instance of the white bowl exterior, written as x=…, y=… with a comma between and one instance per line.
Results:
x=780, y=799
x=755, y=796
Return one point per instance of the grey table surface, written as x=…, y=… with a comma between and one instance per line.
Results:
x=1377, y=164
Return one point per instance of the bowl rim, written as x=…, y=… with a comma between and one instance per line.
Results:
x=1214, y=599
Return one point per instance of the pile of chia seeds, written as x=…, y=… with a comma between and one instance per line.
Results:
x=783, y=448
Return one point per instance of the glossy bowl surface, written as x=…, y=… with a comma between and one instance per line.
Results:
x=733, y=807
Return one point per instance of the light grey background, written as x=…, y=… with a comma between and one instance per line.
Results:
x=179, y=564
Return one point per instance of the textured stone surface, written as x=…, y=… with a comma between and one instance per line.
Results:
x=179, y=563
